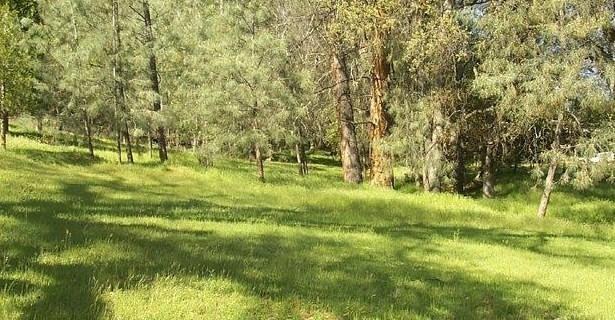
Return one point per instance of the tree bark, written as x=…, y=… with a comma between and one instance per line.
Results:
x=301, y=155
x=460, y=167
x=39, y=124
x=129, y=155
x=88, y=134
x=5, y=116
x=5, y=127
x=118, y=141
x=58, y=114
x=434, y=156
x=259, y=163
x=550, y=180
x=349, y=147
x=380, y=119
x=489, y=171
x=301, y=159
x=155, y=81
x=122, y=125
x=150, y=144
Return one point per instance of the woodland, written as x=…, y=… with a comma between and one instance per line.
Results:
x=307, y=159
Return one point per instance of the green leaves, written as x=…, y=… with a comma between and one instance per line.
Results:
x=16, y=63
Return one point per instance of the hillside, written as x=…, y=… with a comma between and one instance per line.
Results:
x=91, y=239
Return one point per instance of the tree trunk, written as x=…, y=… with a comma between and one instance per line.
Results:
x=489, y=171
x=39, y=125
x=434, y=157
x=5, y=127
x=5, y=116
x=155, y=81
x=259, y=163
x=120, y=107
x=150, y=144
x=380, y=119
x=300, y=152
x=129, y=155
x=58, y=114
x=349, y=147
x=550, y=180
x=88, y=135
x=118, y=140
x=460, y=167
x=301, y=159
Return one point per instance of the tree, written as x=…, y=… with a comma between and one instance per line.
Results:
x=252, y=94
x=15, y=68
x=154, y=78
x=437, y=56
x=542, y=72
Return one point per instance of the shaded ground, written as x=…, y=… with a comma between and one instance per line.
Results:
x=83, y=239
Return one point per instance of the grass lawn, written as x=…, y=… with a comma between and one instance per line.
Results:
x=89, y=239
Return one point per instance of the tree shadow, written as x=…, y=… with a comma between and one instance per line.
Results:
x=89, y=243
x=354, y=282
x=73, y=158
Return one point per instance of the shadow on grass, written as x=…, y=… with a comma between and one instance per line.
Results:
x=331, y=272
x=74, y=158
x=595, y=205
x=328, y=272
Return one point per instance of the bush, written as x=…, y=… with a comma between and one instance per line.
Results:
x=205, y=155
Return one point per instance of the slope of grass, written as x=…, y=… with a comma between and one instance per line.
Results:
x=90, y=239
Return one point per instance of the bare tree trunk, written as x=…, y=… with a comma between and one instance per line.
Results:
x=58, y=114
x=550, y=180
x=150, y=144
x=259, y=163
x=460, y=168
x=300, y=152
x=122, y=122
x=380, y=119
x=5, y=127
x=426, y=185
x=118, y=140
x=5, y=116
x=489, y=171
x=349, y=147
x=301, y=159
x=39, y=124
x=129, y=155
x=88, y=134
x=434, y=156
x=155, y=81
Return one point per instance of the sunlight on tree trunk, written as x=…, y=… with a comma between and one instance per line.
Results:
x=259, y=163
x=5, y=116
x=88, y=135
x=349, y=147
x=434, y=154
x=550, y=180
x=380, y=119
x=489, y=171
x=155, y=81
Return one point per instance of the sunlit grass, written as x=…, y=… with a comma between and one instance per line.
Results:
x=90, y=239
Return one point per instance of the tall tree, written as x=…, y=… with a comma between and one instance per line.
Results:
x=543, y=72
x=349, y=148
x=15, y=68
x=123, y=130
x=154, y=78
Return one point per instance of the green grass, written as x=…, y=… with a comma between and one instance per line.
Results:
x=90, y=239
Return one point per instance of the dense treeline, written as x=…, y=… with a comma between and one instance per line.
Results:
x=451, y=91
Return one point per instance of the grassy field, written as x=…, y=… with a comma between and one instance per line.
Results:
x=90, y=239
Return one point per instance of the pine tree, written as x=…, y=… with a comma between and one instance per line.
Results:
x=540, y=67
x=15, y=68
